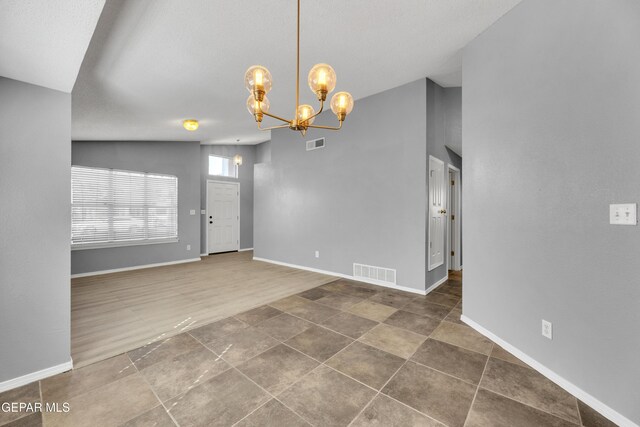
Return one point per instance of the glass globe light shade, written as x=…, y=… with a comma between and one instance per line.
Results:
x=322, y=80
x=304, y=112
x=342, y=104
x=257, y=79
x=256, y=106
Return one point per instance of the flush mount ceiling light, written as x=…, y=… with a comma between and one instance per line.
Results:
x=191, y=124
x=322, y=81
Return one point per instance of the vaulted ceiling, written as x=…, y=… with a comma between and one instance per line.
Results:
x=153, y=63
x=43, y=42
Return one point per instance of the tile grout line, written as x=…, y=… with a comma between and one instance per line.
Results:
x=313, y=323
x=387, y=382
x=465, y=348
x=395, y=373
x=516, y=400
x=154, y=393
x=358, y=381
x=131, y=363
x=486, y=363
x=249, y=414
x=529, y=405
x=579, y=414
x=274, y=396
x=258, y=385
x=320, y=364
x=378, y=392
x=446, y=373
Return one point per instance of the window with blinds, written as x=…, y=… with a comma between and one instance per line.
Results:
x=118, y=208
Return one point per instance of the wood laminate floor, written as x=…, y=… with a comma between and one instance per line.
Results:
x=115, y=313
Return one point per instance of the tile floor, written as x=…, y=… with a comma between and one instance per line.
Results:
x=344, y=353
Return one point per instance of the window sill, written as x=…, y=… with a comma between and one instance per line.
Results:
x=81, y=246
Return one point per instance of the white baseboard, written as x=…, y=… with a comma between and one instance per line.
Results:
x=35, y=376
x=135, y=267
x=201, y=255
x=438, y=283
x=344, y=276
x=245, y=249
x=594, y=403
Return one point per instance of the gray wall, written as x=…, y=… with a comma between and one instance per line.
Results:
x=263, y=152
x=35, y=225
x=360, y=199
x=453, y=120
x=245, y=178
x=444, y=127
x=551, y=137
x=181, y=159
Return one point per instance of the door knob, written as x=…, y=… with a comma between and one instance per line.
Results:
x=443, y=211
x=210, y=222
x=210, y=217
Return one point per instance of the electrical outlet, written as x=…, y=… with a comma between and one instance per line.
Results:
x=547, y=329
x=317, y=254
x=203, y=212
x=188, y=247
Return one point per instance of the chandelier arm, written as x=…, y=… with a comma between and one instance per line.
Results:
x=326, y=127
x=272, y=115
x=272, y=127
x=319, y=111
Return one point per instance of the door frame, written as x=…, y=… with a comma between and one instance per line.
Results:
x=206, y=218
x=457, y=236
x=444, y=170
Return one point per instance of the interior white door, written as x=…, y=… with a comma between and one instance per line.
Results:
x=223, y=217
x=437, y=212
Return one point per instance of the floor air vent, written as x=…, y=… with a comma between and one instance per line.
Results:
x=314, y=144
x=375, y=274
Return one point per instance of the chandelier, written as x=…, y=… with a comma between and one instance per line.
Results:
x=322, y=81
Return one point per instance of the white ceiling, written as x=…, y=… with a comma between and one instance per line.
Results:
x=43, y=41
x=153, y=63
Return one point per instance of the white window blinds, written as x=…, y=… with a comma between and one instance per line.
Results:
x=117, y=208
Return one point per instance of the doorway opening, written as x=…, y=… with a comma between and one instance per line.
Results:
x=454, y=231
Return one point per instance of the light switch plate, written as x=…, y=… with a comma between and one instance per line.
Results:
x=623, y=214
x=192, y=212
x=203, y=212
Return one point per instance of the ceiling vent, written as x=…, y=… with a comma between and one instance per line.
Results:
x=314, y=144
x=370, y=273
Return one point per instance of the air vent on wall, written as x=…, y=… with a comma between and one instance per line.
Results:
x=314, y=144
x=370, y=273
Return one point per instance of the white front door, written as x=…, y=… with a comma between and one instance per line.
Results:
x=223, y=217
x=436, y=212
